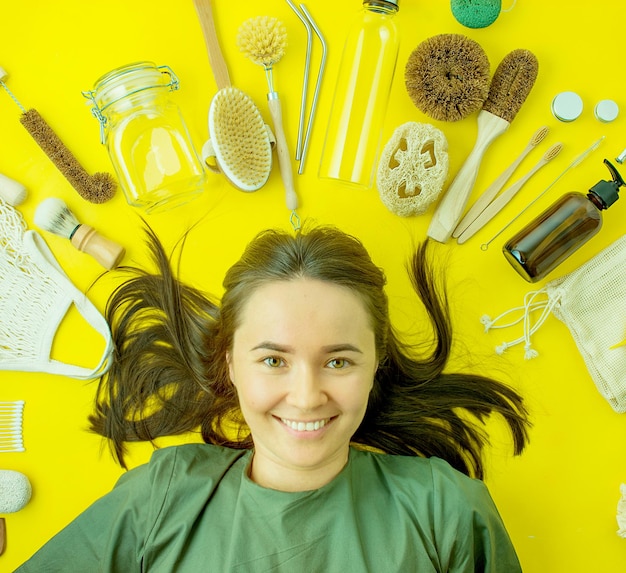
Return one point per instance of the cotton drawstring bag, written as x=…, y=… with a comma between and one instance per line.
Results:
x=35, y=295
x=591, y=302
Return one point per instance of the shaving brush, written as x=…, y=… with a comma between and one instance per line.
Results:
x=263, y=40
x=53, y=215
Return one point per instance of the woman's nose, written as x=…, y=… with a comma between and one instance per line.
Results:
x=306, y=391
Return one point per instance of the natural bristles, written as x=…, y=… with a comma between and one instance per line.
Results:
x=447, y=77
x=53, y=215
x=263, y=40
x=511, y=83
x=97, y=189
x=240, y=139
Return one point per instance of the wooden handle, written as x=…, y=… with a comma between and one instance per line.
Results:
x=216, y=58
x=284, y=159
x=3, y=535
x=450, y=208
x=105, y=251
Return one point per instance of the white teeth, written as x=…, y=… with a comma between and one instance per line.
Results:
x=305, y=426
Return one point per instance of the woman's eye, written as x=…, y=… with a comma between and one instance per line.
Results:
x=338, y=363
x=273, y=361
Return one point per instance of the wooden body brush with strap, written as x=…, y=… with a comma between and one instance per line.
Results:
x=510, y=86
x=240, y=143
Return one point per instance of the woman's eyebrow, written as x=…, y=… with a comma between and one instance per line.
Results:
x=341, y=348
x=269, y=345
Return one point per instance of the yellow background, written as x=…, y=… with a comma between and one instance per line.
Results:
x=558, y=499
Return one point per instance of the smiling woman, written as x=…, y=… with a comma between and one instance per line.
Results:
x=353, y=453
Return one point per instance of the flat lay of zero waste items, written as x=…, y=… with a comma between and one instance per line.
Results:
x=448, y=78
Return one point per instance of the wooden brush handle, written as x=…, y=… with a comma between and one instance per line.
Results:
x=216, y=58
x=105, y=251
x=450, y=208
x=3, y=535
x=284, y=159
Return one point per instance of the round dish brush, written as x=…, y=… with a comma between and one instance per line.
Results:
x=96, y=188
x=263, y=40
x=447, y=77
x=510, y=86
x=53, y=215
x=15, y=493
x=240, y=143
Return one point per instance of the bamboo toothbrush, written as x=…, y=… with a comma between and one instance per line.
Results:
x=53, y=215
x=263, y=40
x=96, y=188
x=502, y=200
x=510, y=86
x=491, y=191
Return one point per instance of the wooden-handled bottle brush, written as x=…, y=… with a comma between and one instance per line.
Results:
x=96, y=188
x=263, y=40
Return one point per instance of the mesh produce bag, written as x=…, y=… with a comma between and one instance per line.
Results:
x=591, y=302
x=35, y=295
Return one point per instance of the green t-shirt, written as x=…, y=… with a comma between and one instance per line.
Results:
x=193, y=508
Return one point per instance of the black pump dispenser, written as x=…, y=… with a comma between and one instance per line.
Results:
x=562, y=228
x=607, y=192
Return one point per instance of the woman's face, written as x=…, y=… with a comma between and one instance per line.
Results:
x=303, y=363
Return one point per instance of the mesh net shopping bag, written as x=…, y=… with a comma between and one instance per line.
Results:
x=35, y=295
x=591, y=302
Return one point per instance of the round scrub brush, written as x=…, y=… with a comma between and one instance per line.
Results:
x=264, y=40
x=53, y=215
x=447, y=77
x=510, y=86
x=15, y=493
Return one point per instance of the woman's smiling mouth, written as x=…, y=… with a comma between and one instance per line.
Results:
x=311, y=426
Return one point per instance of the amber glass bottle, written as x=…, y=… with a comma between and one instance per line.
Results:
x=561, y=229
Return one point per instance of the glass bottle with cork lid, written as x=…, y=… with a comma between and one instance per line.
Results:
x=354, y=131
x=146, y=136
x=561, y=229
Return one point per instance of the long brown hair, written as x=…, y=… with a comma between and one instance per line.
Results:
x=170, y=376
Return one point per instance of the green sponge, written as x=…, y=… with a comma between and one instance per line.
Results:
x=475, y=13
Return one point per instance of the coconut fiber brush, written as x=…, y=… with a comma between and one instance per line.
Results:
x=510, y=86
x=97, y=188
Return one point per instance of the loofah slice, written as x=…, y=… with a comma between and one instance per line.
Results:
x=447, y=77
x=15, y=491
x=413, y=168
x=240, y=139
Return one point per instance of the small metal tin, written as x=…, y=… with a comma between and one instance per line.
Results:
x=606, y=110
x=567, y=106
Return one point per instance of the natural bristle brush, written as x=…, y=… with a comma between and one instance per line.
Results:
x=240, y=143
x=53, y=215
x=96, y=188
x=510, y=86
x=263, y=40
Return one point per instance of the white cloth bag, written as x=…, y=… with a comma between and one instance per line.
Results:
x=591, y=302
